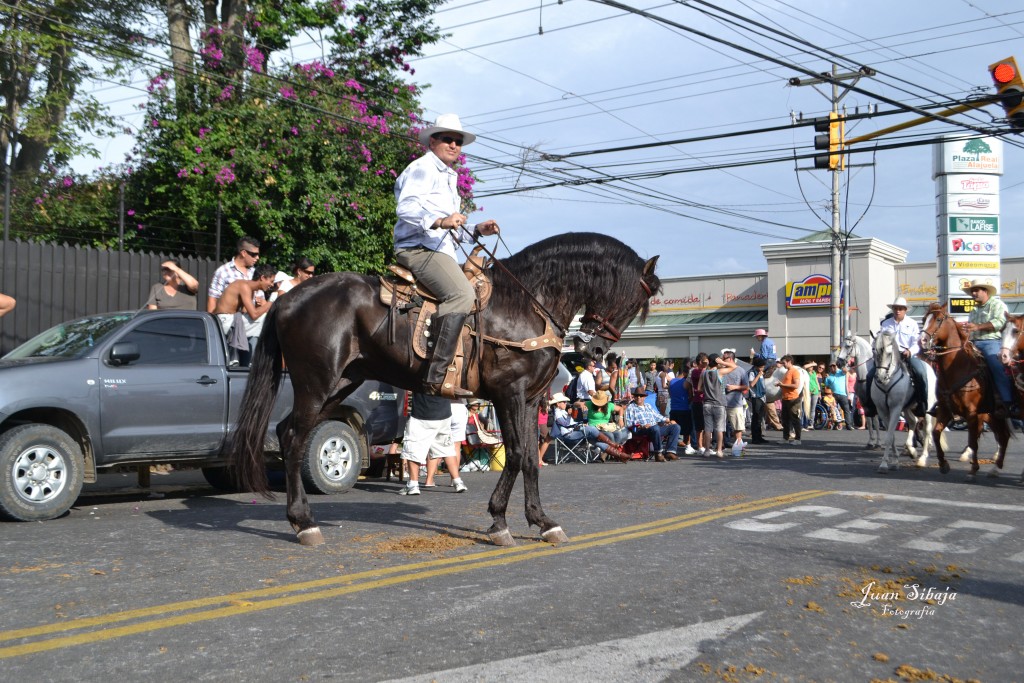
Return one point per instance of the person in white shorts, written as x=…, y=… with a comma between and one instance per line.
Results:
x=428, y=433
x=460, y=414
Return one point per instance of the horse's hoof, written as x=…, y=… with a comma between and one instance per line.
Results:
x=502, y=538
x=311, y=536
x=877, y=447
x=993, y=472
x=554, y=535
x=894, y=468
x=944, y=467
x=882, y=469
x=869, y=446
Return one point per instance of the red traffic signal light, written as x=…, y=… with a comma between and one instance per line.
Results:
x=1010, y=87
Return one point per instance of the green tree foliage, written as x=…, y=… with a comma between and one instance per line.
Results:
x=49, y=50
x=303, y=156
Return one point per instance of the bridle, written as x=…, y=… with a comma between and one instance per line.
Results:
x=603, y=326
x=892, y=378
x=928, y=344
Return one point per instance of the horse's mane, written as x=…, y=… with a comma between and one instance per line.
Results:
x=555, y=267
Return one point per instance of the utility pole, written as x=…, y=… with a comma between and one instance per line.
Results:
x=832, y=139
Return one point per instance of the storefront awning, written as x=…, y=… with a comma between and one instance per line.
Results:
x=709, y=318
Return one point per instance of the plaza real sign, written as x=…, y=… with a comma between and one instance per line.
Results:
x=966, y=172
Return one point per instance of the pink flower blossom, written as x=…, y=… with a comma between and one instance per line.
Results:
x=287, y=93
x=254, y=58
x=130, y=212
x=67, y=181
x=203, y=132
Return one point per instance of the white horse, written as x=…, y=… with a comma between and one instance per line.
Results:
x=860, y=351
x=892, y=393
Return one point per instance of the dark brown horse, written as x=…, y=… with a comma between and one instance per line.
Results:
x=965, y=387
x=332, y=333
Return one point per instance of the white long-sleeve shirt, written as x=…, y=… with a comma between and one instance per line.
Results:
x=427, y=191
x=907, y=333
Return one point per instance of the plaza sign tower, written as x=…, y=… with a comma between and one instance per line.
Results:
x=966, y=173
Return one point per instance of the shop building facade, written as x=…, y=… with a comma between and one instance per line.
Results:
x=710, y=312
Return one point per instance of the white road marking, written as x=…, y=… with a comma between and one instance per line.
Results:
x=935, y=540
x=837, y=532
x=753, y=523
x=879, y=497
x=649, y=657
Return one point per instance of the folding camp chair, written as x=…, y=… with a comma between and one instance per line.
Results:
x=484, y=439
x=567, y=451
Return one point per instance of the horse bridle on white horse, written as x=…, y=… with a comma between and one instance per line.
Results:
x=895, y=358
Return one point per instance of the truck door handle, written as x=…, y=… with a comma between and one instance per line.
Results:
x=206, y=379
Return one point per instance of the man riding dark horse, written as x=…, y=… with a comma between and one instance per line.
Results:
x=429, y=225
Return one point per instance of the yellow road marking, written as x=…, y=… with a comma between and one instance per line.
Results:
x=243, y=602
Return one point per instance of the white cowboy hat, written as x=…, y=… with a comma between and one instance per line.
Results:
x=558, y=398
x=760, y=332
x=446, y=123
x=900, y=302
x=983, y=282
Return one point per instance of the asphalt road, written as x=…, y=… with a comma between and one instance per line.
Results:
x=784, y=565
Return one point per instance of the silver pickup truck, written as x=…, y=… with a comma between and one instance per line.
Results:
x=135, y=388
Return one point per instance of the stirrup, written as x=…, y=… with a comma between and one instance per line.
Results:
x=447, y=390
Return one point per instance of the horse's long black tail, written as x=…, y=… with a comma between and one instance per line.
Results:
x=246, y=448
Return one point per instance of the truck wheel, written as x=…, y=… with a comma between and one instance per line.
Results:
x=220, y=478
x=41, y=473
x=332, y=459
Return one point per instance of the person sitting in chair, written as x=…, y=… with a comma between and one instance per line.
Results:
x=907, y=333
x=644, y=419
x=429, y=224
x=571, y=432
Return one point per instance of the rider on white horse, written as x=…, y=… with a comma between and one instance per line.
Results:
x=907, y=333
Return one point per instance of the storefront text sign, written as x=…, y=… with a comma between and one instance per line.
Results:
x=814, y=291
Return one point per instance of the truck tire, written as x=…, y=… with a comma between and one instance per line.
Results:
x=41, y=473
x=332, y=459
x=220, y=478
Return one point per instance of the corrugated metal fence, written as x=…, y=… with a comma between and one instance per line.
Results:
x=57, y=282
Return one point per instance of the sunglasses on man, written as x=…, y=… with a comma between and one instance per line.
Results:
x=448, y=139
x=254, y=254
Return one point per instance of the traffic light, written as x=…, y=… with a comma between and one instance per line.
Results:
x=831, y=131
x=1010, y=87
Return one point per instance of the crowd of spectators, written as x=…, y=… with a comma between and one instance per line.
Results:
x=710, y=405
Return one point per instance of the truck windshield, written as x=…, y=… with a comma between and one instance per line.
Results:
x=72, y=339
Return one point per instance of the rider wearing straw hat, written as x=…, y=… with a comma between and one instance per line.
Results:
x=985, y=325
x=907, y=333
x=429, y=224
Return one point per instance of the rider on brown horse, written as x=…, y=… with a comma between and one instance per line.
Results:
x=985, y=326
x=429, y=224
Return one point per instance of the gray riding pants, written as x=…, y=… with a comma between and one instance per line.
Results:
x=442, y=276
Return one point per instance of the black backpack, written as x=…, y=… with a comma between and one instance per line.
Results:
x=573, y=390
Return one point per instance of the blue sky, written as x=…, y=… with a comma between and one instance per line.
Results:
x=598, y=78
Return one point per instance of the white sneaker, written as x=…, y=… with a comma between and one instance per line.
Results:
x=410, y=489
x=459, y=486
x=795, y=442
x=689, y=450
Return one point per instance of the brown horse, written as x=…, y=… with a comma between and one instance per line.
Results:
x=965, y=387
x=333, y=332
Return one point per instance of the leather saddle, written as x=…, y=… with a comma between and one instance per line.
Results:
x=400, y=291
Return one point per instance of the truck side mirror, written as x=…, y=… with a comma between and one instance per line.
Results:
x=124, y=353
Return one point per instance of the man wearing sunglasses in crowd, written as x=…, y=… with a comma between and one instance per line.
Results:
x=239, y=268
x=429, y=225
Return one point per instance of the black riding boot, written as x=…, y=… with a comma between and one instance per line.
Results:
x=445, y=330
